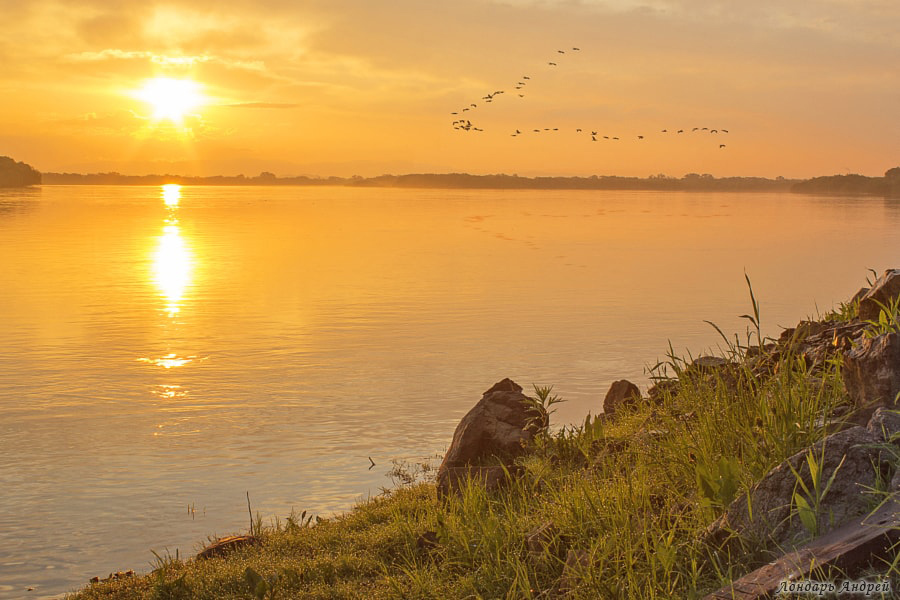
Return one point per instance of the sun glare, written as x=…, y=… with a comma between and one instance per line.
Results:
x=171, y=99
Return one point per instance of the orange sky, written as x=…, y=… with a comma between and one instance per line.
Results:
x=349, y=87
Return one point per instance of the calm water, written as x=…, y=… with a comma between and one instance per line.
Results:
x=166, y=349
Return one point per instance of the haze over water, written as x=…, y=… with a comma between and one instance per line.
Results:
x=164, y=351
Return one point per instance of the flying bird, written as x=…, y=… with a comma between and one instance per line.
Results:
x=640, y=137
x=576, y=49
x=721, y=145
x=552, y=64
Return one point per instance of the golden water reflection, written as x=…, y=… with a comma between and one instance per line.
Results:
x=171, y=194
x=172, y=265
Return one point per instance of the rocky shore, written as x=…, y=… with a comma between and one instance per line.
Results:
x=733, y=476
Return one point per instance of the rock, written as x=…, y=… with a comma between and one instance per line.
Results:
x=707, y=363
x=885, y=424
x=492, y=477
x=775, y=521
x=885, y=289
x=871, y=371
x=859, y=295
x=225, y=545
x=498, y=428
x=661, y=389
x=621, y=393
x=542, y=539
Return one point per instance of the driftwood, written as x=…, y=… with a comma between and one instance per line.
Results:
x=850, y=548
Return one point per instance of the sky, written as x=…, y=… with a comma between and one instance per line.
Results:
x=365, y=87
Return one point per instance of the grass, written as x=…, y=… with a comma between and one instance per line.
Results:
x=633, y=494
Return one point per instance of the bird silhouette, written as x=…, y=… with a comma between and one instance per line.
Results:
x=664, y=130
x=552, y=64
x=576, y=49
x=724, y=131
x=680, y=131
x=721, y=145
x=640, y=137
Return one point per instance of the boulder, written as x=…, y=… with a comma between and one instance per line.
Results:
x=871, y=371
x=621, y=393
x=885, y=424
x=774, y=518
x=708, y=363
x=662, y=388
x=492, y=477
x=885, y=289
x=495, y=432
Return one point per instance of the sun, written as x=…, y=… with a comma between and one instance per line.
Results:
x=171, y=99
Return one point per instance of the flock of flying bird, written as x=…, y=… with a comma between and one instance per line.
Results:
x=464, y=124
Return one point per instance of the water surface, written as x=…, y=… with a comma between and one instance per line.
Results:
x=165, y=351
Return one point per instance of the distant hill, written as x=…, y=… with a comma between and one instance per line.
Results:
x=17, y=174
x=889, y=185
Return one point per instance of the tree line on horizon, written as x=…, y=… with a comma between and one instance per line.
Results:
x=17, y=174
x=14, y=174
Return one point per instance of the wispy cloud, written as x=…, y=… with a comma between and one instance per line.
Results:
x=260, y=105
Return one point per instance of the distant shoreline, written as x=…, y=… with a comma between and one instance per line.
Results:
x=889, y=185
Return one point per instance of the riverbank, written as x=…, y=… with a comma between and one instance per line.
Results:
x=620, y=506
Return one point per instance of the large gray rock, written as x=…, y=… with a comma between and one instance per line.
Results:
x=774, y=516
x=497, y=430
x=621, y=393
x=885, y=424
x=885, y=289
x=871, y=371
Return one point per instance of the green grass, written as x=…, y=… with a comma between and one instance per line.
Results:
x=635, y=492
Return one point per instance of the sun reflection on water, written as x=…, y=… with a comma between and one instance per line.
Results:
x=172, y=266
x=171, y=194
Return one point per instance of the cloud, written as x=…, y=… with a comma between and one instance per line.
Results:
x=260, y=105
